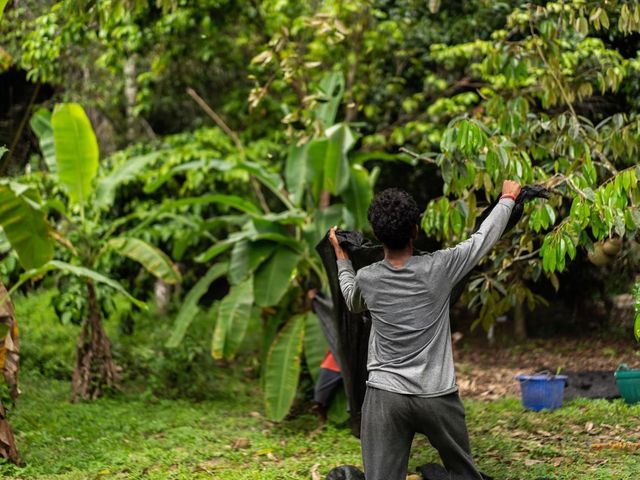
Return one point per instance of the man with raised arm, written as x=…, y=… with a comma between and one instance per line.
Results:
x=411, y=386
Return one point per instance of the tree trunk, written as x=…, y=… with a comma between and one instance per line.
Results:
x=325, y=199
x=162, y=294
x=131, y=93
x=8, y=448
x=10, y=362
x=95, y=370
x=519, y=321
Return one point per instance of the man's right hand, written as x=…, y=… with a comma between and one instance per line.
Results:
x=340, y=253
x=510, y=189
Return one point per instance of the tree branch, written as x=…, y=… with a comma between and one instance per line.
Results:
x=236, y=140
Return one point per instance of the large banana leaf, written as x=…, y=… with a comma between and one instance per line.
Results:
x=336, y=164
x=327, y=159
x=331, y=91
x=41, y=126
x=78, y=271
x=189, y=308
x=234, y=308
x=283, y=369
x=76, y=151
x=128, y=171
x=315, y=345
x=296, y=172
x=25, y=224
x=238, y=330
x=272, y=278
x=151, y=258
x=246, y=257
x=357, y=198
x=3, y=3
x=316, y=155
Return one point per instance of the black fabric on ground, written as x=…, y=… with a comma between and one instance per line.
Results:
x=435, y=471
x=345, y=472
x=352, y=330
x=596, y=384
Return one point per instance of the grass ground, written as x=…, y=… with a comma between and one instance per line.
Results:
x=226, y=437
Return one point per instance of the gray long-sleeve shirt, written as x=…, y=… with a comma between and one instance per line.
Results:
x=410, y=342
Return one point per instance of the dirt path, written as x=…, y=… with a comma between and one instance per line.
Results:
x=488, y=372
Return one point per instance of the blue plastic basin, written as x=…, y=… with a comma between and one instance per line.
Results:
x=542, y=391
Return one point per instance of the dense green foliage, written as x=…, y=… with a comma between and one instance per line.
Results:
x=318, y=99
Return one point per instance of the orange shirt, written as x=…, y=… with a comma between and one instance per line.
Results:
x=329, y=362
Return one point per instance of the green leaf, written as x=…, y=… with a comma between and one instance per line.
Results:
x=76, y=151
x=150, y=257
x=336, y=163
x=232, y=201
x=224, y=245
x=329, y=98
x=338, y=412
x=296, y=172
x=636, y=328
x=283, y=369
x=234, y=308
x=203, y=165
x=246, y=257
x=3, y=3
x=315, y=344
x=25, y=224
x=551, y=213
x=271, y=180
x=78, y=271
x=272, y=278
x=238, y=330
x=316, y=155
x=357, y=198
x=128, y=171
x=189, y=308
x=41, y=125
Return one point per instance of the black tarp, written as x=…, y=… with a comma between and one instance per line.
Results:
x=348, y=333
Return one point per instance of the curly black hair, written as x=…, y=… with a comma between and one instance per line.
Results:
x=392, y=214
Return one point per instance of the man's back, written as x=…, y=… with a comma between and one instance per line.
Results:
x=409, y=347
x=410, y=344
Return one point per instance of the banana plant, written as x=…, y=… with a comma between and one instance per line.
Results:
x=269, y=255
x=80, y=237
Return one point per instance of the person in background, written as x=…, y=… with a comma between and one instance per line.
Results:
x=411, y=386
x=329, y=378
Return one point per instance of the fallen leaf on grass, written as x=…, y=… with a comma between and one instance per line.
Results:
x=315, y=475
x=530, y=462
x=620, y=445
x=588, y=426
x=240, y=443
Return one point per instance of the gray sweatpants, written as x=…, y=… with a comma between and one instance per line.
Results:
x=389, y=422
